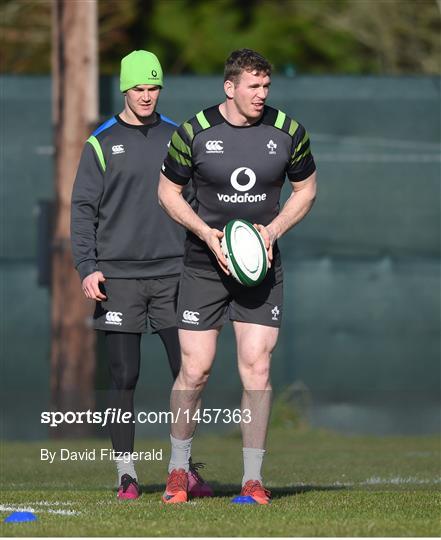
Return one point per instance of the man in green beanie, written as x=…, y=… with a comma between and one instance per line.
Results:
x=126, y=249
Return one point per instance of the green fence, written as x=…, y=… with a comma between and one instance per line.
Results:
x=362, y=272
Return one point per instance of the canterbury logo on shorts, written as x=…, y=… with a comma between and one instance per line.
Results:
x=190, y=317
x=114, y=317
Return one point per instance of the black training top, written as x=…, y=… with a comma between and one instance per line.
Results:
x=238, y=172
x=117, y=225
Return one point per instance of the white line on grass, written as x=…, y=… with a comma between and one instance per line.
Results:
x=6, y=508
x=50, y=503
x=374, y=480
x=400, y=480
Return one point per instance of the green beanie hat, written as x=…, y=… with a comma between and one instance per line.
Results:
x=140, y=67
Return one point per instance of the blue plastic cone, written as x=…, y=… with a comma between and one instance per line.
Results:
x=20, y=517
x=241, y=499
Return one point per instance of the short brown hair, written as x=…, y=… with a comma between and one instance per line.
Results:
x=245, y=60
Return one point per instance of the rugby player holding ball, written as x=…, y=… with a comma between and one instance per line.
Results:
x=238, y=154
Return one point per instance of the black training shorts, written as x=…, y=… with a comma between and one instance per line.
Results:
x=207, y=298
x=132, y=304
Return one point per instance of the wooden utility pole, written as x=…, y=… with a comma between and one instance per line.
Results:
x=75, y=111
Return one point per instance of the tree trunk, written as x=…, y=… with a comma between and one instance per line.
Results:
x=74, y=71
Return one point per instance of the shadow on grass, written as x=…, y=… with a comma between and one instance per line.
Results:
x=231, y=490
x=220, y=490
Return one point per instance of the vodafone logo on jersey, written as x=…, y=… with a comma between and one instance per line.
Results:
x=247, y=172
x=242, y=179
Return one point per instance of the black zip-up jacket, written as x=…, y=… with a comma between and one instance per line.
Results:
x=117, y=225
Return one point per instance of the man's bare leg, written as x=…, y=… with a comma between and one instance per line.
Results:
x=198, y=349
x=255, y=344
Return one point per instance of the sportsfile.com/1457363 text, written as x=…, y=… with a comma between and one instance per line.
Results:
x=117, y=416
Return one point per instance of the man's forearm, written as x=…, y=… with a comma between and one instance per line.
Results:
x=293, y=211
x=171, y=199
x=87, y=192
x=178, y=209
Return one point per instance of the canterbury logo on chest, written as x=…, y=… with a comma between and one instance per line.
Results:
x=214, y=147
x=118, y=149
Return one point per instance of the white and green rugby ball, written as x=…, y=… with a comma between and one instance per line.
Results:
x=245, y=251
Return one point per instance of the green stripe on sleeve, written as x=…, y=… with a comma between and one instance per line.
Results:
x=179, y=157
x=179, y=144
x=308, y=151
x=293, y=127
x=305, y=139
x=189, y=129
x=202, y=120
x=96, y=145
x=280, y=119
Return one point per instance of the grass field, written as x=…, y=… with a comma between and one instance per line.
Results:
x=323, y=484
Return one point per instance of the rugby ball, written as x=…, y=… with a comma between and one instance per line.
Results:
x=245, y=251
